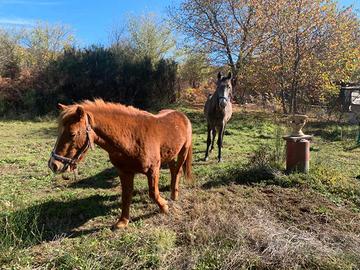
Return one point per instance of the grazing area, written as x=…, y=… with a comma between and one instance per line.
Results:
x=240, y=208
x=242, y=213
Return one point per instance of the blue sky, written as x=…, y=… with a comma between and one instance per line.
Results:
x=91, y=20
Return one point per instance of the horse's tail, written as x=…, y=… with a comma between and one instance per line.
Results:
x=187, y=165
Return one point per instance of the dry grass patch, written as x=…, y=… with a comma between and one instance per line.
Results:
x=268, y=228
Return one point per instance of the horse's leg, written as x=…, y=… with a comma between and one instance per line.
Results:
x=220, y=140
x=153, y=181
x=127, y=186
x=222, y=135
x=175, y=170
x=174, y=180
x=208, y=142
x=213, y=131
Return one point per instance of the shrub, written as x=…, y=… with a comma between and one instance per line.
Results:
x=94, y=72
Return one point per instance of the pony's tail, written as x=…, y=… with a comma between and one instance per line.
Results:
x=187, y=165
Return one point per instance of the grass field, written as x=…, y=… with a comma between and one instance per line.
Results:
x=243, y=213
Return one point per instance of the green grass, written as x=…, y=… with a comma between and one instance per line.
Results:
x=243, y=213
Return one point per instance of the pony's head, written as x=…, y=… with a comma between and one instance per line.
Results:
x=223, y=89
x=75, y=137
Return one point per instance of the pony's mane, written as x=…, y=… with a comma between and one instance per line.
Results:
x=99, y=105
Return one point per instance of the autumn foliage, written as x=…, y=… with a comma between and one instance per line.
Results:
x=294, y=50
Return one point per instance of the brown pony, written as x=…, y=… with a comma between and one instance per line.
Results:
x=137, y=142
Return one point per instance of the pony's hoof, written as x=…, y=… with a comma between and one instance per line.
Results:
x=122, y=224
x=220, y=160
x=164, y=209
x=206, y=159
x=174, y=196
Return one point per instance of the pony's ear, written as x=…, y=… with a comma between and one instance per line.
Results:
x=80, y=111
x=229, y=75
x=91, y=119
x=61, y=107
x=219, y=75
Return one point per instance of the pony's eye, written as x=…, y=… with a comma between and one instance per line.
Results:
x=72, y=135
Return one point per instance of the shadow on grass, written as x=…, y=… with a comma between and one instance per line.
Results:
x=106, y=179
x=55, y=219
x=332, y=130
x=240, y=176
x=353, y=147
x=145, y=216
x=52, y=219
x=145, y=191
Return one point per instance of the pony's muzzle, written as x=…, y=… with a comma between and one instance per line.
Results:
x=55, y=165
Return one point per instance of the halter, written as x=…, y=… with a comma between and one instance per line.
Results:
x=222, y=97
x=73, y=161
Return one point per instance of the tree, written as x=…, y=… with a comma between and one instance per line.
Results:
x=44, y=43
x=230, y=31
x=312, y=45
x=145, y=36
x=9, y=58
x=195, y=69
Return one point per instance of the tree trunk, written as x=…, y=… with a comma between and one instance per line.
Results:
x=236, y=88
x=283, y=101
x=294, y=84
x=295, y=104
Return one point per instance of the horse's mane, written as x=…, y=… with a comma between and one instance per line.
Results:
x=99, y=105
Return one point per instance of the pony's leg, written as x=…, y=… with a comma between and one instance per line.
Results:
x=174, y=180
x=222, y=134
x=213, y=131
x=153, y=181
x=220, y=141
x=175, y=170
x=208, y=142
x=127, y=186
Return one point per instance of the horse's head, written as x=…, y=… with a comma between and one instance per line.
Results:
x=74, y=138
x=223, y=89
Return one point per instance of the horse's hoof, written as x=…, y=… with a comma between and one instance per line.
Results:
x=220, y=160
x=174, y=196
x=122, y=224
x=206, y=159
x=164, y=209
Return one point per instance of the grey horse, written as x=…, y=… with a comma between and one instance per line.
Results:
x=218, y=111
